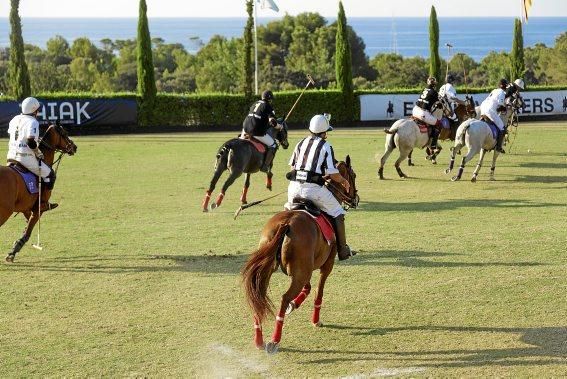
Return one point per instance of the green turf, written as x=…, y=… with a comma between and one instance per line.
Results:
x=453, y=279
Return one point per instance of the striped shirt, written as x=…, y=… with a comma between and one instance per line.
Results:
x=314, y=154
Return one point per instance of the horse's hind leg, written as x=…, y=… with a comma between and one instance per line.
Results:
x=384, y=157
x=403, y=155
x=32, y=219
x=324, y=273
x=297, y=283
x=245, y=189
x=299, y=299
x=410, y=163
x=454, y=151
x=219, y=169
x=232, y=177
x=478, y=165
x=472, y=152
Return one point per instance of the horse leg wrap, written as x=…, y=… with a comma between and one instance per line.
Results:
x=451, y=164
x=269, y=182
x=301, y=297
x=206, y=200
x=220, y=197
x=258, y=337
x=243, y=196
x=316, y=311
x=277, y=336
x=18, y=244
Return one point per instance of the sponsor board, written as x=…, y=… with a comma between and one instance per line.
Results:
x=392, y=107
x=77, y=112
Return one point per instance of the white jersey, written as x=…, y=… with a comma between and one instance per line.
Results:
x=314, y=154
x=20, y=129
x=448, y=91
x=493, y=101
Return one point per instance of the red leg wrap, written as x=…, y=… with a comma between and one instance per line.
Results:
x=316, y=310
x=220, y=197
x=277, y=336
x=258, y=337
x=206, y=200
x=301, y=297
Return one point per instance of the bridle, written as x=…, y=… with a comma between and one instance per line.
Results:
x=67, y=149
x=346, y=199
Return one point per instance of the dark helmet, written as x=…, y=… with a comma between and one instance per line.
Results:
x=267, y=95
x=450, y=78
x=502, y=83
x=431, y=81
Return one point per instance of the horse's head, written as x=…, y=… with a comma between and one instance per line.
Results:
x=349, y=199
x=517, y=102
x=281, y=134
x=56, y=138
x=470, y=106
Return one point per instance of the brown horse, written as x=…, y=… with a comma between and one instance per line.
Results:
x=14, y=196
x=292, y=240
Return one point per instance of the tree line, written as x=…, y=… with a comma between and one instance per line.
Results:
x=288, y=48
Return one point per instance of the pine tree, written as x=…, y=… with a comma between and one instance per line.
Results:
x=18, y=69
x=518, y=66
x=343, y=64
x=434, y=60
x=247, y=63
x=146, y=80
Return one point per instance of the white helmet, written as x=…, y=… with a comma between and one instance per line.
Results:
x=319, y=124
x=519, y=83
x=30, y=105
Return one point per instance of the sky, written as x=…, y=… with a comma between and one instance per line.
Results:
x=235, y=8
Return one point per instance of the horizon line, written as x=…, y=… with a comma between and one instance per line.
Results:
x=275, y=17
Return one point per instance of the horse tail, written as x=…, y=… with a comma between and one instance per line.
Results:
x=462, y=130
x=223, y=154
x=257, y=272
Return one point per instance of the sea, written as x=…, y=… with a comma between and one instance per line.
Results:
x=406, y=36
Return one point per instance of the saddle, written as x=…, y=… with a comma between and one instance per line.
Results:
x=422, y=125
x=322, y=220
x=29, y=178
x=260, y=147
x=493, y=128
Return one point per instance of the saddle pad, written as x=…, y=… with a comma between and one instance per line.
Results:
x=257, y=144
x=29, y=178
x=493, y=129
x=324, y=224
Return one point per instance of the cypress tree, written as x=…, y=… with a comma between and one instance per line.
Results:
x=247, y=64
x=518, y=66
x=146, y=80
x=434, y=60
x=343, y=64
x=18, y=69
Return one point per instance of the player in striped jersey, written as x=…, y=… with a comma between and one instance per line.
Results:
x=312, y=159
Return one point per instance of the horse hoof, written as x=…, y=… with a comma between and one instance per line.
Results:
x=269, y=188
x=411, y=164
x=491, y=179
x=272, y=347
x=244, y=202
x=10, y=258
x=473, y=179
x=447, y=171
x=433, y=161
x=428, y=158
x=455, y=178
x=205, y=209
x=290, y=308
x=261, y=346
x=213, y=206
x=318, y=324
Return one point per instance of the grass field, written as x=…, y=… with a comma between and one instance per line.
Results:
x=453, y=279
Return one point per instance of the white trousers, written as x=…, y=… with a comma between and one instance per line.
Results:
x=319, y=195
x=31, y=163
x=424, y=115
x=489, y=111
x=266, y=139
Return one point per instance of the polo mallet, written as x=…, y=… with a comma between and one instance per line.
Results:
x=38, y=245
x=309, y=82
x=449, y=47
x=245, y=206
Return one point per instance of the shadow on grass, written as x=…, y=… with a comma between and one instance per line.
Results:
x=418, y=259
x=547, y=347
x=550, y=165
x=225, y=264
x=541, y=179
x=432, y=206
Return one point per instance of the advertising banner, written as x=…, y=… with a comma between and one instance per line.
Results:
x=77, y=112
x=392, y=106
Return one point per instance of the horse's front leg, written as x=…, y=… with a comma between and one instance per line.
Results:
x=269, y=176
x=258, y=337
x=32, y=218
x=478, y=165
x=410, y=163
x=324, y=274
x=245, y=189
x=299, y=299
x=495, y=155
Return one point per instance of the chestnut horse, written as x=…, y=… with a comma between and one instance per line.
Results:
x=14, y=196
x=292, y=240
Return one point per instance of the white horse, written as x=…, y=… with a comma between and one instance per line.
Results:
x=478, y=137
x=405, y=135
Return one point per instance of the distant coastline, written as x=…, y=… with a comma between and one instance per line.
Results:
x=407, y=36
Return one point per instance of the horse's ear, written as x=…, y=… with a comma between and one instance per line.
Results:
x=347, y=160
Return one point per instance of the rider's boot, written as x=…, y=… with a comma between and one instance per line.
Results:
x=435, y=134
x=268, y=159
x=343, y=250
x=499, y=141
x=47, y=187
